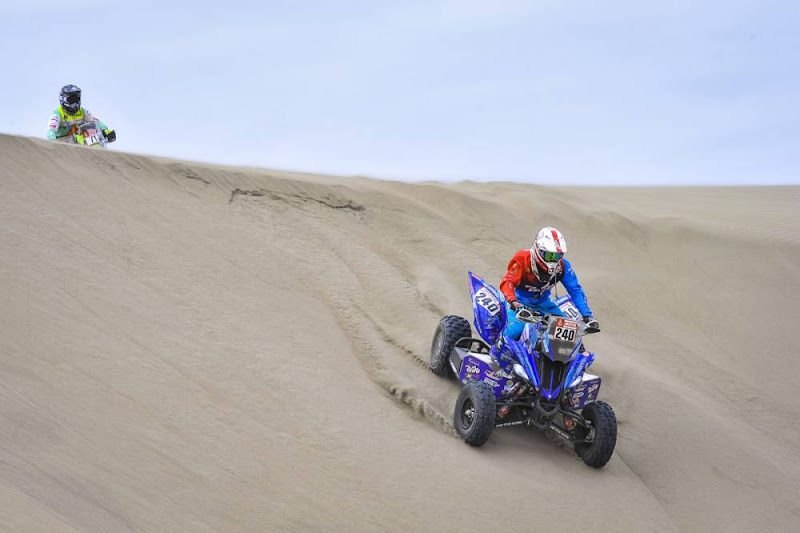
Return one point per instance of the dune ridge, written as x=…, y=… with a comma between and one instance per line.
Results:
x=200, y=347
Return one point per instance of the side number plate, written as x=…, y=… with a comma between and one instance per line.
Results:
x=486, y=299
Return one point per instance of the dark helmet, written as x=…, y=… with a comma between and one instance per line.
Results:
x=70, y=99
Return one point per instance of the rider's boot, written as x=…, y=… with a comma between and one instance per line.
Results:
x=500, y=353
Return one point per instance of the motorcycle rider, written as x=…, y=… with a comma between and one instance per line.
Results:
x=69, y=115
x=531, y=276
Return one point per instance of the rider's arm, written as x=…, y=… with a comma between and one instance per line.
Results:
x=512, y=279
x=92, y=118
x=52, y=126
x=570, y=281
x=110, y=134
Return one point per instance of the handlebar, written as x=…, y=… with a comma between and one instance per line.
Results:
x=526, y=314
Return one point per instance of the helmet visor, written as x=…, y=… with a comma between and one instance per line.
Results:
x=74, y=98
x=552, y=257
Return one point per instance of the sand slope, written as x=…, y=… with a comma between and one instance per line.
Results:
x=187, y=347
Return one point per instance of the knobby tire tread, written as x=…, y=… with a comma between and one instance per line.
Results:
x=454, y=327
x=485, y=411
x=599, y=452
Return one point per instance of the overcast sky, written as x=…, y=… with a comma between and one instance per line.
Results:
x=557, y=92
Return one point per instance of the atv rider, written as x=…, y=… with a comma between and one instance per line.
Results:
x=531, y=276
x=65, y=120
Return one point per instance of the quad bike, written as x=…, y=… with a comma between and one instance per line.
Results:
x=539, y=381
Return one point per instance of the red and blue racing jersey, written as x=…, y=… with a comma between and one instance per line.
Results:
x=522, y=282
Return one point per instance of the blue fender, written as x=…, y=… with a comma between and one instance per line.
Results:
x=489, y=307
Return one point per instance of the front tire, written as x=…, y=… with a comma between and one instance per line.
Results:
x=475, y=413
x=450, y=329
x=604, y=422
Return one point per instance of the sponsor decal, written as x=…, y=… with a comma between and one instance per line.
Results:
x=566, y=323
x=491, y=382
x=533, y=288
x=498, y=375
x=576, y=399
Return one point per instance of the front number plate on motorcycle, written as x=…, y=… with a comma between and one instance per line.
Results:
x=90, y=137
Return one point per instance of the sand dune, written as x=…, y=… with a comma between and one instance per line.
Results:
x=188, y=347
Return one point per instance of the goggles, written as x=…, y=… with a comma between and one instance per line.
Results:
x=552, y=257
x=74, y=98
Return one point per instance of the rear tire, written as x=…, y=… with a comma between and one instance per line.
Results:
x=475, y=413
x=598, y=452
x=450, y=329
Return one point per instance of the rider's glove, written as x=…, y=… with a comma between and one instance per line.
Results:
x=111, y=135
x=516, y=306
x=591, y=322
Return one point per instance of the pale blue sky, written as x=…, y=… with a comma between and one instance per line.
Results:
x=556, y=92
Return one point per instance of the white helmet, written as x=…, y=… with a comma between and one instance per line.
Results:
x=548, y=249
